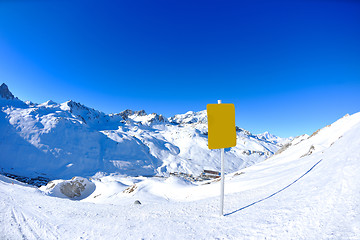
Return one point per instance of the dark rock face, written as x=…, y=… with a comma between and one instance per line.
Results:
x=126, y=113
x=5, y=92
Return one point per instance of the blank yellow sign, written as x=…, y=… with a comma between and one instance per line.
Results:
x=221, y=125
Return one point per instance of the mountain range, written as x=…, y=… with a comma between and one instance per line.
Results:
x=61, y=140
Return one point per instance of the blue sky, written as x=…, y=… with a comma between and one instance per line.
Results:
x=290, y=67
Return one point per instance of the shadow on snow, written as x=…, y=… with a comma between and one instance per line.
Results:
x=251, y=204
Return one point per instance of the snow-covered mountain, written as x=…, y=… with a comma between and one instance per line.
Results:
x=308, y=190
x=68, y=139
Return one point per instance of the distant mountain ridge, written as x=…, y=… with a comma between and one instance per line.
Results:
x=67, y=139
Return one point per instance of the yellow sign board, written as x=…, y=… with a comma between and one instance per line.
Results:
x=221, y=125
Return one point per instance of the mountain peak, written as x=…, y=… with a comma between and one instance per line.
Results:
x=190, y=117
x=5, y=92
x=71, y=105
x=47, y=103
x=126, y=113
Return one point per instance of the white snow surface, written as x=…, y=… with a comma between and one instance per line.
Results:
x=69, y=139
x=311, y=190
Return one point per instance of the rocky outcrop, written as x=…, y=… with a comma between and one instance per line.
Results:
x=5, y=92
x=77, y=188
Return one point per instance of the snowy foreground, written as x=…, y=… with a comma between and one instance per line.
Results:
x=311, y=190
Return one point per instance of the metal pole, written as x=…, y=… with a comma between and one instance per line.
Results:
x=222, y=184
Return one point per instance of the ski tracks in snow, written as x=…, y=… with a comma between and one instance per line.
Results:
x=32, y=227
x=23, y=219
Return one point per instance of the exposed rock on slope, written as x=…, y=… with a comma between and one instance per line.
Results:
x=5, y=93
x=77, y=188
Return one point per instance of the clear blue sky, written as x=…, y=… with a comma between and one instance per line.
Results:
x=290, y=67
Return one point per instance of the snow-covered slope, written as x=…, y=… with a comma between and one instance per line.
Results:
x=69, y=139
x=304, y=192
x=297, y=158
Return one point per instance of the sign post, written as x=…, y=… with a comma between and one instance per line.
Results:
x=222, y=184
x=221, y=134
